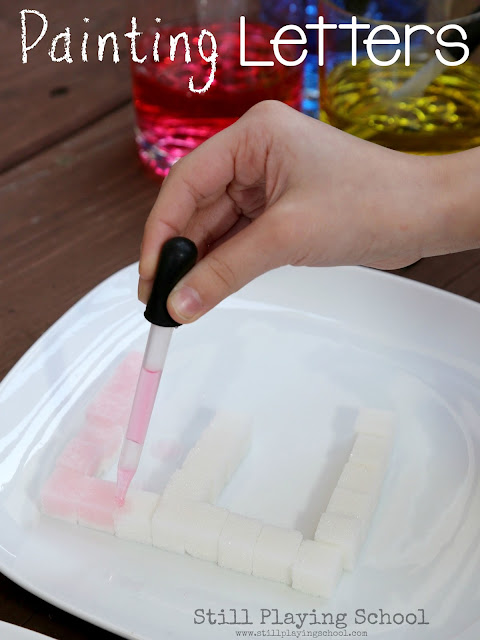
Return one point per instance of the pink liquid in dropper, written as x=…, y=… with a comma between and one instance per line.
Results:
x=143, y=402
x=142, y=408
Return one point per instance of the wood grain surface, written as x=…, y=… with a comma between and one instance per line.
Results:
x=73, y=202
x=43, y=102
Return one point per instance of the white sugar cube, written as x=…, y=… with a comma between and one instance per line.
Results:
x=275, y=553
x=207, y=522
x=317, y=569
x=351, y=503
x=237, y=543
x=229, y=434
x=195, y=457
x=208, y=474
x=342, y=532
x=217, y=454
x=185, y=486
x=362, y=479
x=171, y=525
x=371, y=451
x=133, y=521
x=375, y=422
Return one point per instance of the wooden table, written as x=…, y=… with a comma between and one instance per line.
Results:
x=73, y=202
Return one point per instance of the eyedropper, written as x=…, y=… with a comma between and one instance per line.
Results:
x=177, y=257
x=417, y=84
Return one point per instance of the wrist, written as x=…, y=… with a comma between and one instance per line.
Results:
x=453, y=218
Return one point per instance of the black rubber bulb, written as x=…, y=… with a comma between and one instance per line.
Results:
x=472, y=30
x=177, y=257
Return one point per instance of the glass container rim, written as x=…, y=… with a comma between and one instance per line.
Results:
x=435, y=25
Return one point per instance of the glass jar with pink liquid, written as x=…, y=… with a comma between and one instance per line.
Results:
x=188, y=78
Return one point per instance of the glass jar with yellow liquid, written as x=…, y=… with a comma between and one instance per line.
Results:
x=408, y=93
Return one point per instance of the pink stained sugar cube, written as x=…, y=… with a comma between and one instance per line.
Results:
x=61, y=493
x=96, y=505
x=83, y=456
x=110, y=409
x=107, y=439
x=113, y=404
x=126, y=374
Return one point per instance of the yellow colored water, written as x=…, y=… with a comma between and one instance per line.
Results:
x=446, y=118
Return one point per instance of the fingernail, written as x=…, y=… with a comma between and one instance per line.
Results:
x=186, y=303
x=143, y=290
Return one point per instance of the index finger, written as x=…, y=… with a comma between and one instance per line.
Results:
x=197, y=180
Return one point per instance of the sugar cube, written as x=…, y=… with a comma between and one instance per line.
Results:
x=82, y=455
x=362, y=479
x=97, y=504
x=229, y=434
x=343, y=532
x=133, y=521
x=184, y=485
x=204, y=534
x=371, y=451
x=351, y=503
x=109, y=436
x=110, y=409
x=317, y=569
x=61, y=493
x=375, y=422
x=237, y=543
x=171, y=525
x=125, y=376
x=275, y=553
x=113, y=404
x=209, y=472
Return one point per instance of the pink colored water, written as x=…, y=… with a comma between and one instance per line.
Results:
x=171, y=120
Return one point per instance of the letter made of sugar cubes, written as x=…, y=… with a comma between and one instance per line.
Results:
x=237, y=543
x=317, y=569
x=113, y=404
x=275, y=553
x=353, y=504
x=133, y=521
x=61, y=493
x=343, y=532
x=206, y=526
x=172, y=525
x=375, y=422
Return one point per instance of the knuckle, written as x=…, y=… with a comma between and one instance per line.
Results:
x=267, y=109
x=222, y=272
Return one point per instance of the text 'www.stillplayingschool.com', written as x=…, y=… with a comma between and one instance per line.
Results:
x=34, y=28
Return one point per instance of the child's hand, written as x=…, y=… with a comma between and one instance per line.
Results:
x=281, y=188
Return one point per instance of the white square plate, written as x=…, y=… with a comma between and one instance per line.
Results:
x=12, y=632
x=301, y=350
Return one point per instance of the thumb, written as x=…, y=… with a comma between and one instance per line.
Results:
x=229, y=267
